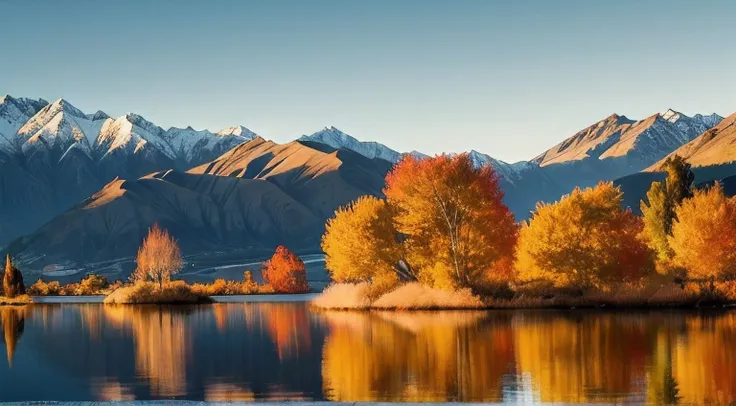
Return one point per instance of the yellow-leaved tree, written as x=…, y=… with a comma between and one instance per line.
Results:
x=584, y=240
x=361, y=244
x=158, y=258
x=457, y=231
x=704, y=235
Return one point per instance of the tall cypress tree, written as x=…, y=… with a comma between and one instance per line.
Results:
x=12, y=280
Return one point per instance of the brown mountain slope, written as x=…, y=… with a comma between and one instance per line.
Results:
x=587, y=142
x=316, y=175
x=251, y=199
x=203, y=212
x=716, y=146
x=642, y=141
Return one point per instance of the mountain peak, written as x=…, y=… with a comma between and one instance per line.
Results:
x=671, y=115
x=62, y=105
x=99, y=115
x=238, y=131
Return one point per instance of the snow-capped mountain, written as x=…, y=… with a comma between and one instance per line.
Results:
x=646, y=140
x=337, y=139
x=503, y=169
x=54, y=155
x=13, y=114
x=62, y=126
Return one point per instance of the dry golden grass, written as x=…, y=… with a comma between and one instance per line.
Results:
x=656, y=292
x=221, y=287
x=411, y=296
x=416, y=296
x=353, y=296
x=15, y=301
x=177, y=292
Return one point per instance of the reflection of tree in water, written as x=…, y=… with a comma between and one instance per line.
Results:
x=440, y=356
x=286, y=323
x=13, y=320
x=584, y=357
x=161, y=345
x=705, y=359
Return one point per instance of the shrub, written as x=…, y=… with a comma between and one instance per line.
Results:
x=70, y=289
x=176, y=292
x=41, y=288
x=93, y=285
x=285, y=272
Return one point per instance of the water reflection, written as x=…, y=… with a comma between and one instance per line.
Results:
x=13, y=320
x=416, y=357
x=161, y=340
x=283, y=351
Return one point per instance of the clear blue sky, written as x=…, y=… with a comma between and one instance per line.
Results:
x=508, y=78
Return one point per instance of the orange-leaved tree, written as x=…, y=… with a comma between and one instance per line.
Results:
x=584, y=240
x=285, y=272
x=704, y=235
x=158, y=258
x=361, y=243
x=457, y=231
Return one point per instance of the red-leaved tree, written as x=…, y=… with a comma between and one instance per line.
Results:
x=285, y=272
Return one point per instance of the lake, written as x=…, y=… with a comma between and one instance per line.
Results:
x=285, y=351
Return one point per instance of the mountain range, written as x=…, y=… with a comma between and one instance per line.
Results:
x=78, y=188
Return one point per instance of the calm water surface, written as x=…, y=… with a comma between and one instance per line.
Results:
x=285, y=351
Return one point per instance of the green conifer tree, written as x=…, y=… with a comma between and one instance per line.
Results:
x=662, y=199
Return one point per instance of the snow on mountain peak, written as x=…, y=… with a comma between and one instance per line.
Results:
x=337, y=139
x=671, y=115
x=61, y=105
x=238, y=131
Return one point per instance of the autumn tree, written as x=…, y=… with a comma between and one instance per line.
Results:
x=584, y=240
x=158, y=258
x=704, y=235
x=361, y=243
x=285, y=272
x=659, y=211
x=457, y=232
x=12, y=280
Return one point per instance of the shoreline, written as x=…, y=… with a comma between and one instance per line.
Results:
x=270, y=298
x=228, y=403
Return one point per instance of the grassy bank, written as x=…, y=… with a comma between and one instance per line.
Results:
x=415, y=296
x=178, y=292
x=15, y=301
